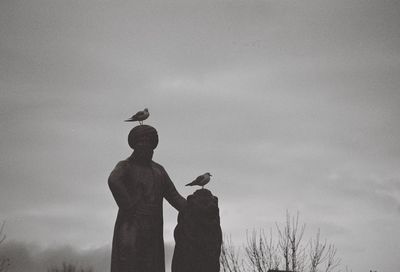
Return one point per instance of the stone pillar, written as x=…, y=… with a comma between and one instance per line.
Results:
x=198, y=235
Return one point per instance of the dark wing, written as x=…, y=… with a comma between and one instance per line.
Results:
x=139, y=113
x=198, y=179
x=136, y=116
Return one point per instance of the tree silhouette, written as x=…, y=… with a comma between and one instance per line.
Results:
x=65, y=267
x=287, y=251
x=4, y=262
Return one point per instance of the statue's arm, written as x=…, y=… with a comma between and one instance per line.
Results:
x=117, y=186
x=171, y=194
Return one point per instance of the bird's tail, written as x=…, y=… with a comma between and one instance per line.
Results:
x=189, y=184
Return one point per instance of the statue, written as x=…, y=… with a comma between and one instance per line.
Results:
x=198, y=235
x=139, y=185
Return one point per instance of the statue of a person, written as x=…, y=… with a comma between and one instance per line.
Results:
x=139, y=185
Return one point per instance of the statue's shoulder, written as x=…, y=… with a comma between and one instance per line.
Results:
x=158, y=168
x=157, y=165
x=121, y=166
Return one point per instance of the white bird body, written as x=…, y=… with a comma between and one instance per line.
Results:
x=201, y=180
x=139, y=116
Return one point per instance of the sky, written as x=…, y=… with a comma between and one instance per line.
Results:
x=291, y=105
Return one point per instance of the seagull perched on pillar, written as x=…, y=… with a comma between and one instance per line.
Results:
x=201, y=180
x=139, y=116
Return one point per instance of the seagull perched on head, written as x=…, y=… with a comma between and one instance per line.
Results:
x=139, y=116
x=201, y=180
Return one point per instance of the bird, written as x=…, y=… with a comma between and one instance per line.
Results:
x=200, y=180
x=139, y=116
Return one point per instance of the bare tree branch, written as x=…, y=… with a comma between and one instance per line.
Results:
x=4, y=262
x=2, y=235
x=332, y=261
x=316, y=252
x=229, y=258
x=284, y=242
x=295, y=237
x=263, y=253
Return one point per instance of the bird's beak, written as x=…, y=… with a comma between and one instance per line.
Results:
x=210, y=175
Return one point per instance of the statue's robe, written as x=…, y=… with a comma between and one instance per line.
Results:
x=138, y=189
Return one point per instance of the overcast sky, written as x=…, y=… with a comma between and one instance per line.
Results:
x=291, y=105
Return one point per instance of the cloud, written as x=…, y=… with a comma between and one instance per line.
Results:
x=31, y=257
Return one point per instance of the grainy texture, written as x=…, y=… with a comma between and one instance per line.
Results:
x=198, y=235
x=139, y=189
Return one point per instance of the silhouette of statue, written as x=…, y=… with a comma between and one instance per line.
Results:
x=139, y=185
x=198, y=235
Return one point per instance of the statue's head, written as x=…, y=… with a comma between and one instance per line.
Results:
x=143, y=139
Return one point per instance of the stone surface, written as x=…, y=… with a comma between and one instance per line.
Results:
x=198, y=235
x=139, y=186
